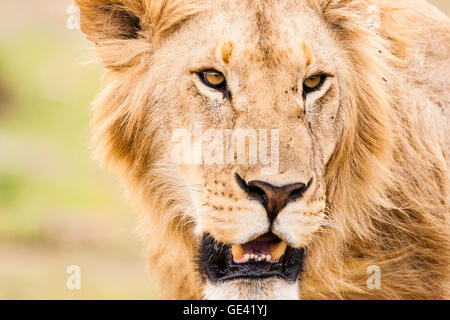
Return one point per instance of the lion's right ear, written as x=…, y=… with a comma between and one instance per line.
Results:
x=105, y=20
x=123, y=29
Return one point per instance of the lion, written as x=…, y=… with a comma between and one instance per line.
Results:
x=346, y=102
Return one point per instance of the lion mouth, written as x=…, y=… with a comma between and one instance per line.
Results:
x=263, y=257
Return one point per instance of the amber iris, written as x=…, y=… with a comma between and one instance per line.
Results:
x=213, y=79
x=313, y=83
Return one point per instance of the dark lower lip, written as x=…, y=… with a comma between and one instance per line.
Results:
x=216, y=261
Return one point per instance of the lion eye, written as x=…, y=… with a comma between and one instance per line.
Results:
x=313, y=83
x=213, y=79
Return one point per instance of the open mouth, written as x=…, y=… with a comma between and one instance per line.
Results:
x=265, y=256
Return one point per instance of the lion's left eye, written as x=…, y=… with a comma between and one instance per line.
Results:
x=213, y=79
x=313, y=83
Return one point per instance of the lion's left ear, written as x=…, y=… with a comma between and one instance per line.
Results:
x=126, y=28
x=338, y=12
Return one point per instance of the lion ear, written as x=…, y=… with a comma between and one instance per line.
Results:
x=339, y=13
x=124, y=30
x=131, y=19
x=105, y=20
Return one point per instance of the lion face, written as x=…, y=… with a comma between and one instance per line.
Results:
x=224, y=127
x=274, y=88
x=278, y=147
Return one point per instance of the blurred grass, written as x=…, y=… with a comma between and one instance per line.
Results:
x=44, y=131
x=56, y=207
x=444, y=5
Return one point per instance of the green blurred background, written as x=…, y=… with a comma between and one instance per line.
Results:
x=57, y=208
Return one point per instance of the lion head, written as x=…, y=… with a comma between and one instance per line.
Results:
x=259, y=139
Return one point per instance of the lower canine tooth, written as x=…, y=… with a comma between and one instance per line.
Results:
x=268, y=258
x=277, y=250
x=237, y=251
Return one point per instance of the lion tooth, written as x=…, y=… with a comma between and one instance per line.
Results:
x=277, y=250
x=252, y=256
x=268, y=258
x=259, y=258
x=237, y=251
x=246, y=256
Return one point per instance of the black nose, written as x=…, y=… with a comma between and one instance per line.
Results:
x=273, y=198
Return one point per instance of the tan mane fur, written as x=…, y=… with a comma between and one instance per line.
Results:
x=397, y=179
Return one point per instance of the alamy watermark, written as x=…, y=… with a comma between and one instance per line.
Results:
x=73, y=281
x=374, y=20
x=374, y=280
x=73, y=21
x=226, y=147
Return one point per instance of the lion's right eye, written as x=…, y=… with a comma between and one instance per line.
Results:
x=213, y=79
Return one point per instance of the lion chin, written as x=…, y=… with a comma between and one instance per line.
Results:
x=252, y=289
x=280, y=149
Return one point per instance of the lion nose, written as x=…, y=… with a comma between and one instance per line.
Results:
x=273, y=198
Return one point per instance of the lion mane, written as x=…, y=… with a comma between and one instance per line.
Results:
x=387, y=182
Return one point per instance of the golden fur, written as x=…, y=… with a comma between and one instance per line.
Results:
x=381, y=190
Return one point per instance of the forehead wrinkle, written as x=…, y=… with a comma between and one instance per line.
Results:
x=265, y=33
x=226, y=50
x=307, y=54
x=259, y=20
